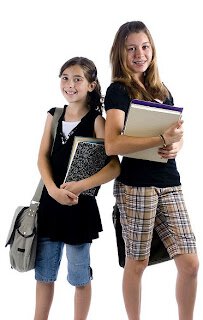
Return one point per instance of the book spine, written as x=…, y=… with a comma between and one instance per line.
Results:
x=157, y=105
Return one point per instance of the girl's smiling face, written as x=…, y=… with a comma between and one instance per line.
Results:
x=139, y=53
x=74, y=85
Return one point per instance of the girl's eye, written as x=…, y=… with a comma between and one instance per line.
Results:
x=145, y=47
x=64, y=78
x=77, y=79
x=131, y=49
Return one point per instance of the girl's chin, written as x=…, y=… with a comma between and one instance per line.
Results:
x=139, y=69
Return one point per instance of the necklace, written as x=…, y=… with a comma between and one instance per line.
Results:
x=64, y=138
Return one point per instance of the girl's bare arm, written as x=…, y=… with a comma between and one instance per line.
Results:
x=62, y=196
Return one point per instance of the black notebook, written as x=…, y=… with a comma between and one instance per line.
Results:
x=87, y=157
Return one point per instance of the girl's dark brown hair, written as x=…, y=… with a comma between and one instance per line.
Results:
x=94, y=98
x=154, y=88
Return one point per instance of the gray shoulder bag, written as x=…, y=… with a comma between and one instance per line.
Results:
x=22, y=236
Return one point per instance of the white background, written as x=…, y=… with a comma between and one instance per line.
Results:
x=37, y=37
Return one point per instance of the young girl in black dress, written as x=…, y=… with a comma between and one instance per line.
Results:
x=67, y=217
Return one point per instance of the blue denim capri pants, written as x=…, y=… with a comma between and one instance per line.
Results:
x=48, y=259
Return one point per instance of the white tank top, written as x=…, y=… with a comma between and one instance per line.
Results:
x=68, y=126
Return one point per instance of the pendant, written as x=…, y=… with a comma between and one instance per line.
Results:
x=63, y=138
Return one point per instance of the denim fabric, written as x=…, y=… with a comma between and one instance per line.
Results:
x=48, y=259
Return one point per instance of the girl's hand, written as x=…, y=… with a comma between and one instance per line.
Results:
x=75, y=187
x=174, y=133
x=64, y=196
x=169, y=152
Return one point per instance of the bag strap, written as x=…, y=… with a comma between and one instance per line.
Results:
x=56, y=116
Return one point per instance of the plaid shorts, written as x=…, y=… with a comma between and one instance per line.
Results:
x=144, y=208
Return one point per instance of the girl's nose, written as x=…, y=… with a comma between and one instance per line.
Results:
x=138, y=53
x=70, y=83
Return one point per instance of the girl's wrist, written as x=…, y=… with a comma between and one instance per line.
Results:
x=52, y=190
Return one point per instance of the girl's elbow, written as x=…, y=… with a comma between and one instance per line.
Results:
x=109, y=149
x=115, y=166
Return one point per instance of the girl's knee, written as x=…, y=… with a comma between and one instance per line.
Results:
x=136, y=266
x=193, y=267
x=188, y=264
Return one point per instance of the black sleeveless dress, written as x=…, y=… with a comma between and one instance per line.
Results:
x=76, y=224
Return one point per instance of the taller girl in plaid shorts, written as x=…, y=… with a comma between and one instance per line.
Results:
x=148, y=194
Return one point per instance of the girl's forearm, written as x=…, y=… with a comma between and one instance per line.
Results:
x=106, y=174
x=46, y=173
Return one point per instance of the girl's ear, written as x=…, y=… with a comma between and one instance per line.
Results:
x=92, y=86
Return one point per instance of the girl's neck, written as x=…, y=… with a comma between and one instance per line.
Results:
x=75, y=113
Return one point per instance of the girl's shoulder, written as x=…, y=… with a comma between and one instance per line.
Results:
x=117, y=86
x=52, y=110
x=90, y=117
x=117, y=97
x=94, y=113
x=117, y=90
x=169, y=100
